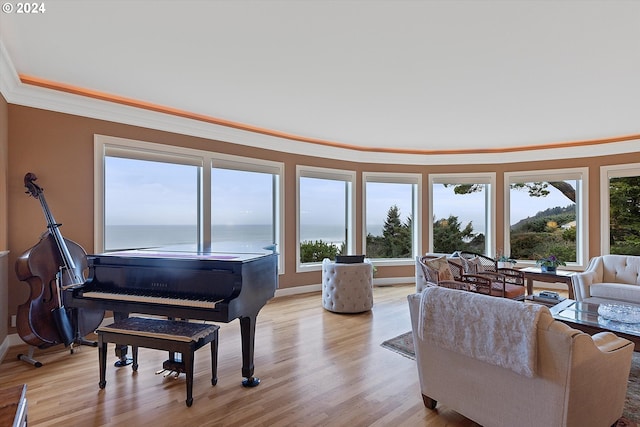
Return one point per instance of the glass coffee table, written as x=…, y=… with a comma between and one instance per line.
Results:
x=622, y=320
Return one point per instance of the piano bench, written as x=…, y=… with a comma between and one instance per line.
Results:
x=160, y=334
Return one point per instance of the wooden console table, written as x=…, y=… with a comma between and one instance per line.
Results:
x=13, y=406
x=561, y=276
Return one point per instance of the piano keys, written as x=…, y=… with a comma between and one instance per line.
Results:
x=184, y=284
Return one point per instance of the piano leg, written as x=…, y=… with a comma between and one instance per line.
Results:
x=248, y=334
x=121, y=350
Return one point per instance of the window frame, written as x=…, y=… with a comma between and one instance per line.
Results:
x=486, y=178
x=349, y=177
x=581, y=175
x=606, y=173
x=395, y=178
x=205, y=160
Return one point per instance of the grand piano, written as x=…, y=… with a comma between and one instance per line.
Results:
x=182, y=284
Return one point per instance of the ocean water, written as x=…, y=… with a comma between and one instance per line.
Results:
x=118, y=237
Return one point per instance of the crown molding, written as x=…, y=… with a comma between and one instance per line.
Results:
x=17, y=92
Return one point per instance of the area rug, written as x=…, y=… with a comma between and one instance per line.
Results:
x=403, y=344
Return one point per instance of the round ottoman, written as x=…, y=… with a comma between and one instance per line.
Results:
x=347, y=288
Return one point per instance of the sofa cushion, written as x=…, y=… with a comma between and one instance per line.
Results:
x=477, y=265
x=472, y=265
x=511, y=291
x=616, y=291
x=621, y=269
x=441, y=265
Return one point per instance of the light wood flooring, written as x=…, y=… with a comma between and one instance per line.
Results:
x=317, y=369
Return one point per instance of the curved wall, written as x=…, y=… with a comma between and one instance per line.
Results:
x=58, y=148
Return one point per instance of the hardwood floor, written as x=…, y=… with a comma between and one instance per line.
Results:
x=317, y=369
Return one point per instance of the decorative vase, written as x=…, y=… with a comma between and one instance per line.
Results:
x=548, y=269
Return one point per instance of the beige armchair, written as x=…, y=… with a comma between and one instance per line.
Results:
x=574, y=379
x=609, y=279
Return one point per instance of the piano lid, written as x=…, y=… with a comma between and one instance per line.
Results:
x=192, y=252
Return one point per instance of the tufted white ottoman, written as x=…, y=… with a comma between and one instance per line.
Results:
x=347, y=288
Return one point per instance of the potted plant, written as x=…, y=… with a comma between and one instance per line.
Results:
x=504, y=261
x=550, y=263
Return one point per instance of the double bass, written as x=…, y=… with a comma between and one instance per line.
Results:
x=52, y=264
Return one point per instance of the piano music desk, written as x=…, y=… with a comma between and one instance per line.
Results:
x=160, y=334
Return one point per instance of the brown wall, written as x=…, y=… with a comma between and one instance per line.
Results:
x=4, y=291
x=58, y=148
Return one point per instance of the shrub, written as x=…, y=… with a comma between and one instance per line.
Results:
x=318, y=250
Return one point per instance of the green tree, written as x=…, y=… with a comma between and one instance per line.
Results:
x=396, y=235
x=624, y=215
x=396, y=240
x=448, y=237
x=535, y=189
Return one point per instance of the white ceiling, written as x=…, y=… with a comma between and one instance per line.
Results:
x=406, y=74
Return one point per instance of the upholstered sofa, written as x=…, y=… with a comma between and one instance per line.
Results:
x=609, y=279
x=555, y=376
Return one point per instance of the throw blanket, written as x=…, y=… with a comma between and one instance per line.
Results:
x=495, y=330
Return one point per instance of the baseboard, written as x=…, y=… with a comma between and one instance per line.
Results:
x=9, y=341
x=388, y=281
x=4, y=347
x=296, y=290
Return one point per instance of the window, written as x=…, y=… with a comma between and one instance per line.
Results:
x=546, y=213
x=244, y=204
x=149, y=200
x=391, y=215
x=149, y=203
x=325, y=215
x=620, y=209
x=461, y=211
x=150, y=195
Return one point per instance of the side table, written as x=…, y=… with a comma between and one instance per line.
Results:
x=561, y=276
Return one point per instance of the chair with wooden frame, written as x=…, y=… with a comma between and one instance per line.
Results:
x=506, y=282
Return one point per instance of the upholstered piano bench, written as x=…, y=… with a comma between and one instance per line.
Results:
x=171, y=335
x=347, y=288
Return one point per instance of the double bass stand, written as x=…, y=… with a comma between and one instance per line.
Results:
x=29, y=357
x=77, y=340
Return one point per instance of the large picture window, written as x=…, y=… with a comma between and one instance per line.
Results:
x=149, y=203
x=620, y=209
x=461, y=211
x=325, y=215
x=546, y=213
x=391, y=215
x=151, y=195
x=244, y=205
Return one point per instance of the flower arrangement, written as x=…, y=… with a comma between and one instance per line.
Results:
x=550, y=263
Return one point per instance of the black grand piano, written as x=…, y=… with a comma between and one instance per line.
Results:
x=182, y=284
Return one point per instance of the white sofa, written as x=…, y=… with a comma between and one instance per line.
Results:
x=609, y=279
x=577, y=380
